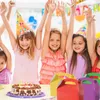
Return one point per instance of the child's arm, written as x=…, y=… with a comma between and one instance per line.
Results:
x=7, y=26
x=91, y=35
x=9, y=60
x=11, y=4
x=61, y=8
x=51, y=9
x=40, y=28
x=69, y=49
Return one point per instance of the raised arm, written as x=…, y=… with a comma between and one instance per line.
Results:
x=90, y=34
x=40, y=28
x=61, y=8
x=7, y=26
x=51, y=9
x=9, y=60
x=2, y=27
x=69, y=49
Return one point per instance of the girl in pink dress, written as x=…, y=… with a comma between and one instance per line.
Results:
x=5, y=56
x=79, y=62
x=53, y=51
x=27, y=49
x=5, y=65
x=94, y=49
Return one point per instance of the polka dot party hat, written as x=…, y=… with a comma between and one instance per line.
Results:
x=21, y=26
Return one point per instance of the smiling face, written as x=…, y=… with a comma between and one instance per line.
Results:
x=24, y=43
x=78, y=44
x=2, y=63
x=55, y=40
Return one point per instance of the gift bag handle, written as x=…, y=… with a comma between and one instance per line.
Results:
x=65, y=74
x=87, y=79
x=93, y=74
x=70, y=80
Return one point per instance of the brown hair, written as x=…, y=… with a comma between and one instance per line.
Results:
x=97, y=43
x=3, y=55
x=84, y=54
x=28, y=35
x=56, y=31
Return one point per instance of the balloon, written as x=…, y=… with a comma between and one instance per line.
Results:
x=31, y=18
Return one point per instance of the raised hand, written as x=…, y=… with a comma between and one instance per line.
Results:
x=3, y=8
x=61, y=8
x=72, y=5
x=52, y=6
x=89, y=16
x=11, y=4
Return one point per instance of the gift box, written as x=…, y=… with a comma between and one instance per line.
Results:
x=68, y=89
x=95, y=76
x=90, y=88
x=55, y=81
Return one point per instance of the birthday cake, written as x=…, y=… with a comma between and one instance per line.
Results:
x=26, y=89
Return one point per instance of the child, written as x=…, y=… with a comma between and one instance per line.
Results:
x=5, y=56
x=53, y=47
x=94, y=49
x=5, y=65
x=27, y=51
x=79, y=62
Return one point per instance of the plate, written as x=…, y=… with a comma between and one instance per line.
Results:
x=17, y=96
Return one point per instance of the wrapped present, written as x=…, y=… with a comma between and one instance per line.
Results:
x=90, y=88
x=55, y=81
x=68, y=89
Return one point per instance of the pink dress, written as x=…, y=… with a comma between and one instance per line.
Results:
x=26, y=70
x=5, y=76
x=51, y=64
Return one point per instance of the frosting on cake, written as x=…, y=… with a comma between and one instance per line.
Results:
x=26, y=89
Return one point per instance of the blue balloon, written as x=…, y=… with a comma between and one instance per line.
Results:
x=31, y=18
x=34, y=21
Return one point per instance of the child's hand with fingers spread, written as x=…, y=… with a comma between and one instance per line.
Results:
x=46, y=7
x=52, y=6
x=11, y=4
x=61, y=8
x=89, y=16
x=3, y=8
x=72, y=5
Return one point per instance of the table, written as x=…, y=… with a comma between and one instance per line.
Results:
x=7, y=88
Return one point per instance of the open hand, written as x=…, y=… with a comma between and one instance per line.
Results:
x=3, y=8
x=89, y=16
x=11, y=4
x=61, y=8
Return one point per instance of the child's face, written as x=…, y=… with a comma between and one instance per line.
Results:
x=78, y=44
x=54, y=42
x=24, y=43
x=2, y=63
x=98, y=49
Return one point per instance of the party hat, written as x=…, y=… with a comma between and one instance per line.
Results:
x=21, y=26
x=82, y=30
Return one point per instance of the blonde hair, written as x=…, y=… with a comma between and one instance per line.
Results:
x=30, y=51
